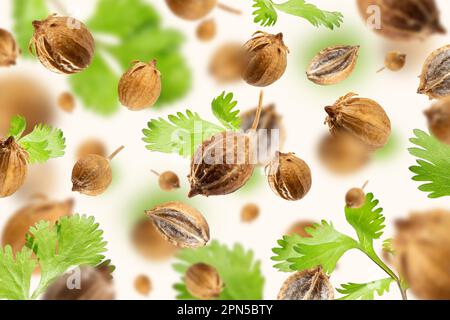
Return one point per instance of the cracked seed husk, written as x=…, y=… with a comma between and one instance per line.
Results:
x=13, y=167
x=180, y=224
x=265, y=59
x=62, y=44
x=333, y=65
x=191, y=9
x=363, y=118
x=289, y=176
x=203, y=281
x=310, y=284
x=439, y=120
x=403, y=20
x=140, y=86
x=435, y=77
x=9, y=51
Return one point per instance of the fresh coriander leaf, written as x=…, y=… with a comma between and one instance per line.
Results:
x=265, y=14
x=239, y=271
x=24, y=12
x=365, y=291
x=433, y=164
x=73, y=241
x=388, y=246
x=324, y=248
x=182, y=134
x=43, y=143
x=366, y=220
x=15, y=273
x=286, y=252
x=17, y=127
x=222, y=108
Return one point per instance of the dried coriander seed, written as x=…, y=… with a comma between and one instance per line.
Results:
x=439, y=120
x=203, y=281
x=226, y=63
x=66, y=102
x=310, y=284
x=9, y=51
x=191, y=9
x=206, y=30
x=168, y=180
x=435, y=78
x=140, y=86
x=91, y=146
x=355, y=197
x=143, y=285
x=333, y=65
x=404, y=20
x=249, y=212
x=180, y=224
x=62, y=44
x=264, y=59
x=289, y=176
x=92, y=174
x=225, y=162
x=40, y=209
x=300, y=228
x=13, y=167
x=394, y=61
x=363, y=118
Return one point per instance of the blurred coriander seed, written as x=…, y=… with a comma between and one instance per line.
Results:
x=300, y=228
x=203, y=281
x=225, y=64
x=143, y=284
x=168, y=180
x=91, y=146
x=249, y=212
x=62, y=44
x=13, y=167
x=92, y=174
x=191, y=9
x=394, y=61
x=439, y=120
x=206, y=30
x=9, y=51
x=66, y=102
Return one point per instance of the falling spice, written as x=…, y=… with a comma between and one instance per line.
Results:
x=364, y=118
x=66, y=102
x=265, y=59
x=62, y=44
x=439, y=120
x=203, y=281
x=226, y=63
x=249, y=212
x=403, y=20
x=9, y=51
x=140, y=86
x=13, y=167
x=394, y=61
x=355, y=197
x=168, y=180
x=197, y=9
x=91, y=146
x=92, y=174
x=333, y=65
x=206, y=30
x=300, y=228
x=310, y=284
x=143, y=285
x=435, y=78
x=180, y=224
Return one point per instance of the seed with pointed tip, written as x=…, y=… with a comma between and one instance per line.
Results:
x=13, y=167
x=435, y=77
x=310, y=284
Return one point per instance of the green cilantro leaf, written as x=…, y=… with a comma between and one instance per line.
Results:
x=433, y=164
x=365, y=291
x=222, y=108
x=182, y=134
x=74, y=241
x=24, y=12
x=239, y=271
x=324, y=248
x=43, y=143
x=267, y=16
x=388, y=246
x=17, y=127
x=15, y=273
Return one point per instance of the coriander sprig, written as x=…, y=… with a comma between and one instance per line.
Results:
x=183, y=133
x=72, y=242
x=326, y=246
x=266, y=13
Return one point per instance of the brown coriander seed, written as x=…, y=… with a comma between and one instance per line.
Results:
x=310, y=284
x=140, y=87
x=9, y=51
x=264, y=59
x=289, y=177
x=438, y=117
x=226, y=63
x=143, y=284
x=92, y=174
x=300, y=228
x=394, y=61
x=191, y=9
x=203, y=281
x=91, y=146
x=66, y=101
x=13, y=167
x=355, y=197
x=206, y=30
x=168, y=180
x=62, y=44
x=435, y=77
x=333, y=65
x=249, y=212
